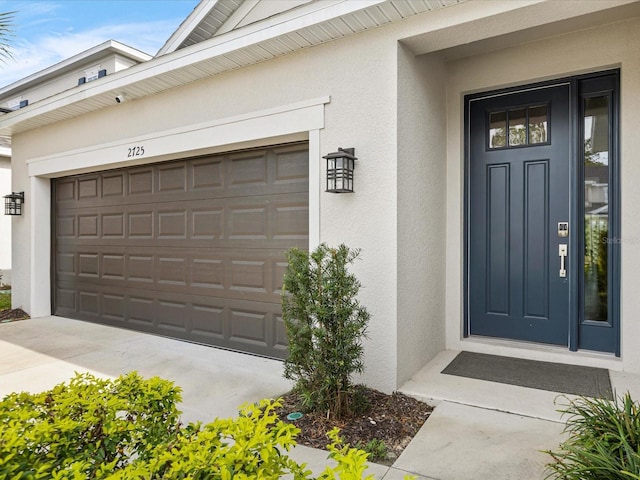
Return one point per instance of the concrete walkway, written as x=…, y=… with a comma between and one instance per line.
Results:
x=479, y=430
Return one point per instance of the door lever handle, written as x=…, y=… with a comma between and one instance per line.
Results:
x=562, y=253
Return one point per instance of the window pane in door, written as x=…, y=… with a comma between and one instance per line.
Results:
x=596, y=207
x=498, y=129
x=517, y=127
x=538, y=124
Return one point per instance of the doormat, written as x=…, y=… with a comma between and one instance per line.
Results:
x=554, y=377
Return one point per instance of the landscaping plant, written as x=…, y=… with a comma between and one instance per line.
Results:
x=129, y=428
x=5, y=301
x=603, y=441
x=376, y=449
x=325, y=326
x=86, y=428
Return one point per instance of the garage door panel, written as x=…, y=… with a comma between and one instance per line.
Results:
x=114, y=308
x=234, y=273
x=192, y=249
x=222, y=177
x=208, y=321
x=229, y=323
x=113, y=185
x=211, y=222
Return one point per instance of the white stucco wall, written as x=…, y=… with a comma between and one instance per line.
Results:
x=588, y=50
x=403, y=115
x=5, y=222
x=421, y=211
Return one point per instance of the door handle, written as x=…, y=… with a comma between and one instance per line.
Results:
x=562, y=253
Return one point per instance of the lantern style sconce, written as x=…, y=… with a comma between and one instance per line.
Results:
x=13, y=203
x=340, y=167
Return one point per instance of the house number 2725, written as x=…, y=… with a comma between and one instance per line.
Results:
x=137, y=151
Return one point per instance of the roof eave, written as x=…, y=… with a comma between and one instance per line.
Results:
x=70, y=63
x=186, y=27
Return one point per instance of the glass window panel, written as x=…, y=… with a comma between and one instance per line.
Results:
x=497, y=129
x=538, y=124
x=517, y=127
x=596, y=207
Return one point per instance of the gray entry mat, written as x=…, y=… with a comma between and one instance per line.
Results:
x=554, y=377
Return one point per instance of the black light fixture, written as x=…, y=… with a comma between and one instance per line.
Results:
x=340, y=167
x=13, y=203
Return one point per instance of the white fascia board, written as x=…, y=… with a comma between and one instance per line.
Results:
x=187, y=26
x=290, y=21
x=5, y=152
x=70, y=63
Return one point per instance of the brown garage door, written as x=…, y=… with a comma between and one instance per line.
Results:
x=191, y=249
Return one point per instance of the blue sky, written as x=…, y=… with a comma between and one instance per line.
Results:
x=49, y=31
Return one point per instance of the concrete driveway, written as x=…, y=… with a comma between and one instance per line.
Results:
x=37, y=354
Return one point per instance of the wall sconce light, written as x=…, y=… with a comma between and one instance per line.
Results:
x=13, y=203
x=340, y=167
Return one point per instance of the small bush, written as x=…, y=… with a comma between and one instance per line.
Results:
x=5, y=301
x=87, y=428
x=250, y=446
x=325, y=326
x=129, y=428
x=376, y=449
x=603, y=443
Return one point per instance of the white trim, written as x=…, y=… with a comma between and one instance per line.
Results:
x=40, y=257
x=237, y=16
x=284, y=120
x=315, y=188
x=187, y=26
x=5, y=152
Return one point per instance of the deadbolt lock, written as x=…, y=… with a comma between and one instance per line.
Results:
x=563, y=229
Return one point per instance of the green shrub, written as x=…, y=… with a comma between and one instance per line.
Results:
x=129, y=428
x=376, y=449
x=325, y=326
x=249, y=446
x=89, y=427
x=603, y=442
x=5, y=301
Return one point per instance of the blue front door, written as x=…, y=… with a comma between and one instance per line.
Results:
x=519, y=201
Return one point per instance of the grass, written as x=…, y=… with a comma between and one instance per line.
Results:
x=5, y=301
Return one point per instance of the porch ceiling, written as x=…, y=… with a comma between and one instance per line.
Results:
x=312, y=24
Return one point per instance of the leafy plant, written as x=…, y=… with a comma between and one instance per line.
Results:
x=5, y=301
x=129, y=428
x=603, y=443
x=376, y=449
x=325, y=325
x=86, y=428
x=250, y=446
x=352, y=462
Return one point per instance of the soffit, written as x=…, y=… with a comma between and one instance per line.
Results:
x=202, y=24
x=312, y=24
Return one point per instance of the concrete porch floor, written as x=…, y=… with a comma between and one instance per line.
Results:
x=479, y=430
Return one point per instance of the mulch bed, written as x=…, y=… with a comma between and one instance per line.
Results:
x=11, y=315
x=395, y=419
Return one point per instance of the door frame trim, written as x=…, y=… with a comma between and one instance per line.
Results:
x=575, y=287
